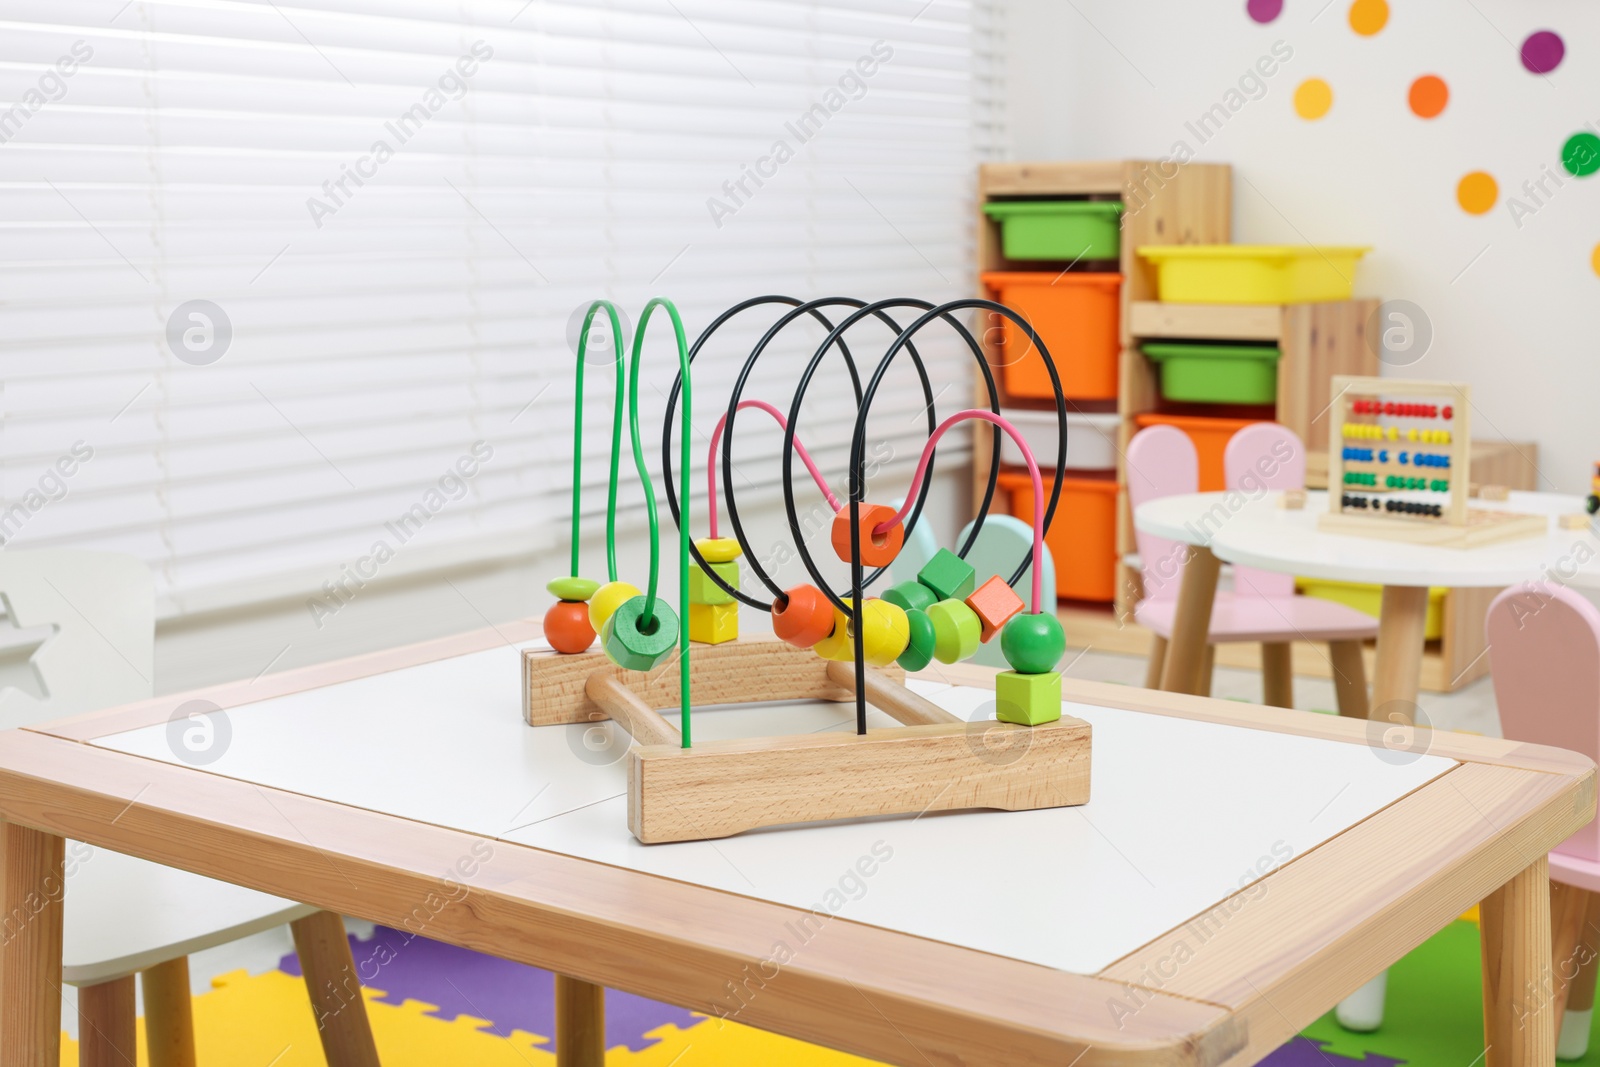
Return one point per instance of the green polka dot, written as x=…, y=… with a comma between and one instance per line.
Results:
x=1581, y=154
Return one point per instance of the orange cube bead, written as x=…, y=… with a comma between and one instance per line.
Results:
x=995, y=602
x=877, y=550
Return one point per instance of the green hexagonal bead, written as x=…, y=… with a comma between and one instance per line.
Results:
x=629, y=646
x=910, y=596
x=919, y=651
x=957, y=631
x=1033, y=644
x=1027, y=699
x=572, y=588
x=702, y=590
x=948, y=575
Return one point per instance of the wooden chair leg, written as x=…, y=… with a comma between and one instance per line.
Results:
x=168, y=1014
x=1277, y=675
x=330, y=974
x=31, y=887
x=1569, y=906
x=1349, y=678
x=1572, y=1037
x=107, y=1027
x=1208, y=667
x=1158, y=657
x=580, y=1023
x=1516, y=959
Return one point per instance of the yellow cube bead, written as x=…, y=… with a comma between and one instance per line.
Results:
x=712, y=624
x=607, y=599
x=885, y=634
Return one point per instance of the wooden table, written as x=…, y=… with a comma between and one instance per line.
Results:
x=1237, y=871
x=1256, y=532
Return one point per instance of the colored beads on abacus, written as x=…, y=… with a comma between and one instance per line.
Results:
x=949, y=576
x=995, y=602
x=1361, y=478
x=957, y=631
x=637, y=644
x=713, y=624
x=802, y=616
x=607, y=599
x=1027, y=699
x=566, y=627
x=877, y=549
x=1412, y=507
x=919, y=640
x=1033, y=644
x=910, y=596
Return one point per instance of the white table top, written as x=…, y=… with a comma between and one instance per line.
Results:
x=1255, y=532
x=1183, y=813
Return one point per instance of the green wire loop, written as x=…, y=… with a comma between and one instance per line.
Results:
x=616, y=439
x=650, y=497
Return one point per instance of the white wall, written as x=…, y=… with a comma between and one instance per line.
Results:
x=1512, y=306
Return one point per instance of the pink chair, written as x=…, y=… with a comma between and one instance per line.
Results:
x=1263, y=607
x=1544, y=656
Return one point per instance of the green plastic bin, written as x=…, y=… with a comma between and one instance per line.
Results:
x=1058, y=229
x=1217, y=374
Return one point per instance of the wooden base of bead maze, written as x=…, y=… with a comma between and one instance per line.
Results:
x=934, y=761
x=1483, y=527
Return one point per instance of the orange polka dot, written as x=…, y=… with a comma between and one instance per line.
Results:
x=1594, y=259
x=1313, y=98
x=1367, y=17
x=1429, y=95
x=1477, y=192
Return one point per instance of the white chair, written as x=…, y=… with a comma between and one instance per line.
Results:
x=78, y=633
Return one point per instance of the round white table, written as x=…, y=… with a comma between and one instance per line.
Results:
x=1254, y=530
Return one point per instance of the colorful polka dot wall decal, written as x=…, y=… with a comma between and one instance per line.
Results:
x=1264, y=11
x=1581, y=154
x=1429, y=95
x=1313, y=98
x=1367, y=17
x=1477, y=192
x=1542, y=51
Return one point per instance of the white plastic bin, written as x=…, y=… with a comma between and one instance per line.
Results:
x=1091, y=439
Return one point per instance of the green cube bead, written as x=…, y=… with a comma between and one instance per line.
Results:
x=919, y=651
x=1033, y=644
x=910, y=596
x=1027, y=699
x=957, y=631
x=948, y=575
x=702, y=590
x=629, y=646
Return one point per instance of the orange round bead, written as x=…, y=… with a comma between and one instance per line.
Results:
x=877, y=550
x=804, y=616
x=566, y=626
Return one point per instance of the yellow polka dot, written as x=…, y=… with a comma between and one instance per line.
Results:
x=1367, y=17
x=1313, y=98
x=1594, y=259
x=1477, y=192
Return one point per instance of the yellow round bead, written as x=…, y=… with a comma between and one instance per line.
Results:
x=719, y=549
x=607, y=599
x=885, y=634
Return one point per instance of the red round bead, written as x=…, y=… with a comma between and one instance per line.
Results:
x=566, y=626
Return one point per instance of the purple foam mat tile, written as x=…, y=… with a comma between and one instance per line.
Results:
x=512, y=996
x=1304, y=1052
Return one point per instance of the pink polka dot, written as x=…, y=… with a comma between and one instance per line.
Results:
x=1542, y=51
x=1264, y=10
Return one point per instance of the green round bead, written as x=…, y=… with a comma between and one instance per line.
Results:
x=957, y=631
x=572, y=588
x=910, y=596
x=1033, y=644
x=919, y=651
x=627, y=643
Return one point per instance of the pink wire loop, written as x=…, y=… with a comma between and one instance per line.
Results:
x=1033, y=473
x=800, y=450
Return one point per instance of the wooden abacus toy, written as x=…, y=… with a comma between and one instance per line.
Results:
x=1399, y=466
x=826, y=645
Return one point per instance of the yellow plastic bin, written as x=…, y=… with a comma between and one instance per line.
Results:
x=1367, y=598
x=1253, y=274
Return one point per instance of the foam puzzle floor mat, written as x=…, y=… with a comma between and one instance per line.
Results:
x=433, y=1004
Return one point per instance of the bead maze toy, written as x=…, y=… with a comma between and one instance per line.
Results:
x=826, y=644
x=1399, y=466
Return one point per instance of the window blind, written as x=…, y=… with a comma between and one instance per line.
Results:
x=290, y=287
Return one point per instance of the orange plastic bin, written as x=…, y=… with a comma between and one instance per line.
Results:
x=1075, y=315
x=1210, y=436
x=1082, y=538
